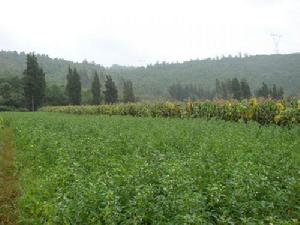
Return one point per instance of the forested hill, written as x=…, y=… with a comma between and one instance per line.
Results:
x=153, y=81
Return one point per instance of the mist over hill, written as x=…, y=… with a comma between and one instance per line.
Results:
x=153, y=81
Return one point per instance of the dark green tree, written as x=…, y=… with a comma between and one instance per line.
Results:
x=263, y=91
x=245, y=89
x=224, y=90
x=87, y=97
x=73, y=87
x=273, y=92
x=34, y=83
x=218, y=89
x=190, y=91
x=280, y=93
x=55, y=95
x=228, y=87
x=96, y=90
x=5, y=90
x=128, y=94
x=84, y=78
x=176, y=92
x=236, y=89
x=111, y=92
x=12, y=92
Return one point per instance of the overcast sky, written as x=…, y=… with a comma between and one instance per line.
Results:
x=139, y=32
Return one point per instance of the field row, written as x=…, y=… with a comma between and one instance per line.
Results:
x=264, y=112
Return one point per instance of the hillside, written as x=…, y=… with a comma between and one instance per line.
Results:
x=153, y=81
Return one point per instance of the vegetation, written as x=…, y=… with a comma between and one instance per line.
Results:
x=262, y=111
x=55, y=95
x=264, y=91
x=34, y=83
x=179, y=92
x=124, y=170
x=9, y=189
x=128, y=93
x=96, y=90
x=11, y=93
x=73, y=87
x=111, y=92
x=32, y=91
x=211, y=141
x=152, y=82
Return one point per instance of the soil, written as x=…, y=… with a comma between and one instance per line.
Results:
x=8, y=179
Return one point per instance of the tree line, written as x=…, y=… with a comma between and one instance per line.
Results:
x=228, y=89
x=110, y=94
x=151, y=82
x=181, y=92
x=32, y=92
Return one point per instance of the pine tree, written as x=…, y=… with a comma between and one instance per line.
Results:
x=111, y=92
x=228, y=85
x=218, y=89
x=73, y=87
x=128, y=95
x=176, y=92
x=280, y=93
x=263, y=91
x=245, y=89
x=84, y=78
x=96, y=90
x=236, y=88
x=77, y=87
x=274, y=93
x=69, y=83
x=224, y=90
x=34, y=83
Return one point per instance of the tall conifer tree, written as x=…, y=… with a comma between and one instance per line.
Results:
x=280, y=93
x=274, y=92
x=96, y=89
x=263, y=91
x=111, y=92
x=73, y=87
x=236, y=88
x=218, y=89
x=128, y=94
x=245, y=89
x=34, y=83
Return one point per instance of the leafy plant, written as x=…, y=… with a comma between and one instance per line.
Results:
x=261, y=111
x=124, y=170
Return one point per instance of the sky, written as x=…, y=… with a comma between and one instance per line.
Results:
x=141, y=32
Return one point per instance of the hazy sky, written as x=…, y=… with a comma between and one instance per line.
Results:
x=138, y=32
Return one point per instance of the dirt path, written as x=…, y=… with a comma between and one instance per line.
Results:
x=8, y=179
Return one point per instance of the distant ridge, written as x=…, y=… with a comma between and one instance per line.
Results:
x=153, y=81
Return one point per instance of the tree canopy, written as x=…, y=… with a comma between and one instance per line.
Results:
x=153, y=81
x=96, y=90
x=34, y=83
x=111, y=92
x=73, y=87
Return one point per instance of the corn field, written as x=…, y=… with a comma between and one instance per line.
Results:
x=261, y=111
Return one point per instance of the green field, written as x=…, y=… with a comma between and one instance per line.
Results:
x=89, y=169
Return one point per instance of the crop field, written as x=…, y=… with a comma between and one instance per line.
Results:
x=99, y=169
x=263, y=111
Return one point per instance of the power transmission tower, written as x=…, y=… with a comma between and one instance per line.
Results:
x=276, y=39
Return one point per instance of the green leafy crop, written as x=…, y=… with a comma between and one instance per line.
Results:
x=94, y=169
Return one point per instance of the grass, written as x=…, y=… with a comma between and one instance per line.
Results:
x=124, y=170
x=8, y=179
